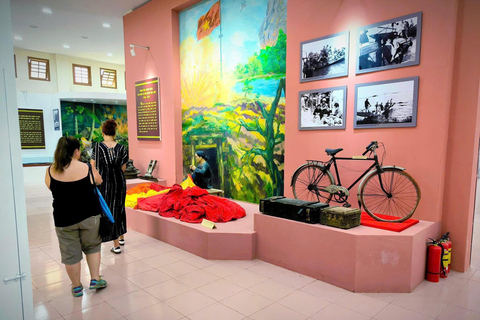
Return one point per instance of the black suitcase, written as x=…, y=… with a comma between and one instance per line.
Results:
x=293, y=209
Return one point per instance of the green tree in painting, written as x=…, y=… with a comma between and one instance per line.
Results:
x=270, y=131
x=254, y=131
x=273, y=59
x=75, y=114
x=95, y=116
x=247, y=87
x=270, y=60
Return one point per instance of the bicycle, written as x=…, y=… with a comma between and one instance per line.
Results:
x=387, y=193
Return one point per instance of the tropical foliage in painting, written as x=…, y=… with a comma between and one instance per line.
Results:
x=270, y=60
x=233, y=93
x=84, y=121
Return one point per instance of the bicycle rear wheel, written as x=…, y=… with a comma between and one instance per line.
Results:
x=400, y=201
x=309, y=181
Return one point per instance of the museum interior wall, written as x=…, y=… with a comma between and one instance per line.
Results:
x=444, y=140
x=463, y=138
x=46, y=96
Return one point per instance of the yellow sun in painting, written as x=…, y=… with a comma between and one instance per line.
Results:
x=202, y=83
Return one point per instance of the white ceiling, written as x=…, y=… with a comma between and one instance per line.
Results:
x=69, y=21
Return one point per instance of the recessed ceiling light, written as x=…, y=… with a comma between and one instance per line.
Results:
x=74, y=100
x=106, y=25
x=66, y=46
x=18, y=38
x=47, y=10
x=84, y=37
x=109, y=54
x=33, y=26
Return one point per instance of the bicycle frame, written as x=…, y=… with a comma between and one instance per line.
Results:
x=337, y=174
x=386, y=193
x=376, y=164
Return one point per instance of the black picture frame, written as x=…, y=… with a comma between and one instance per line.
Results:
x=389, y=44
x=322, y=109
x=386, y=104
x=325, y=57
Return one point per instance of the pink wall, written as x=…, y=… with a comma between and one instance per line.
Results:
x=447, y=67
x=156, y=25
x=461, y=168
x=420, y=150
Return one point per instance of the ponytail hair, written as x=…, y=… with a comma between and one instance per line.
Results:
x=66, y=147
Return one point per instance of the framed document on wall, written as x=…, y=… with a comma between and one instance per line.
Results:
x=32, y=130
x=148, y=109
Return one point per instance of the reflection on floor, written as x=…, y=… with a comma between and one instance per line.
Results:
x=153, y=280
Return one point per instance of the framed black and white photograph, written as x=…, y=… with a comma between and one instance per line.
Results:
x=324, y=58
x=386, y=104
x=56, y=119
x=322, y=109
x=389, y=44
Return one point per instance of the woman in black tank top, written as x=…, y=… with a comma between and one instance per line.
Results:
x=76, y=213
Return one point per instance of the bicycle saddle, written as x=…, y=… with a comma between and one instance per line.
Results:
x=332, y=152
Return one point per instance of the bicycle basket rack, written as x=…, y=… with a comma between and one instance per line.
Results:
x=316, y=162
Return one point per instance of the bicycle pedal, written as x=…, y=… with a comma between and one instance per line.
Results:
x=347, y=205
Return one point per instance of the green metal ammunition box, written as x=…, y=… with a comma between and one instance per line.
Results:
x=340, y=217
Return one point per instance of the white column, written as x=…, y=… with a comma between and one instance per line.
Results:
x=15, y=295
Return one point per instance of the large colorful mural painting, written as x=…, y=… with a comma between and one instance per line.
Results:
x=232, y=57
x=84, y=121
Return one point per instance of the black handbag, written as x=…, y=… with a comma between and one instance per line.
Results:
x=107, y=228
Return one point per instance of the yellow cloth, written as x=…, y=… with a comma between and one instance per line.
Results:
x=187, y=183
x=131, y=200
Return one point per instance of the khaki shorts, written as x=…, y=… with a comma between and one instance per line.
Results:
x=82, y=236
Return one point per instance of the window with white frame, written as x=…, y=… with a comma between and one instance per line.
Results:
x=108, y=78
x=38, y=69
x=82, y=75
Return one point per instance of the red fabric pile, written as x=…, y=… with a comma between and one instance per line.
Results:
x=192, y=205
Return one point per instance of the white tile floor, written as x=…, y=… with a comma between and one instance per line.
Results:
x=154, y=280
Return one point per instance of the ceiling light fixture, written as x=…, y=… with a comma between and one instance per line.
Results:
x=66, y=46
x=106, y=25
x=132, y=50
x=110, y=54
x=18, y=38
x=47, y=10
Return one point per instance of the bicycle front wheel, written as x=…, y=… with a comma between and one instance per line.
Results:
x=309, y=181
x=399, y=200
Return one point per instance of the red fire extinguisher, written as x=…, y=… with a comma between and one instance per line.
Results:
x=434, y=260
x=447, y=254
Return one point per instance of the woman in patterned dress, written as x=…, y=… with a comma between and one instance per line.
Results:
x=111, y=160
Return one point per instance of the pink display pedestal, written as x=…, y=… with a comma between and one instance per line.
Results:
x=360, y=259
x=233, y=240
x=134, y=182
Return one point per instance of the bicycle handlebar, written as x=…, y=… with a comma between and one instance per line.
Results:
x=371, y=147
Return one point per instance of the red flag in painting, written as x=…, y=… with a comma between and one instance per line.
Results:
x=209, y=21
